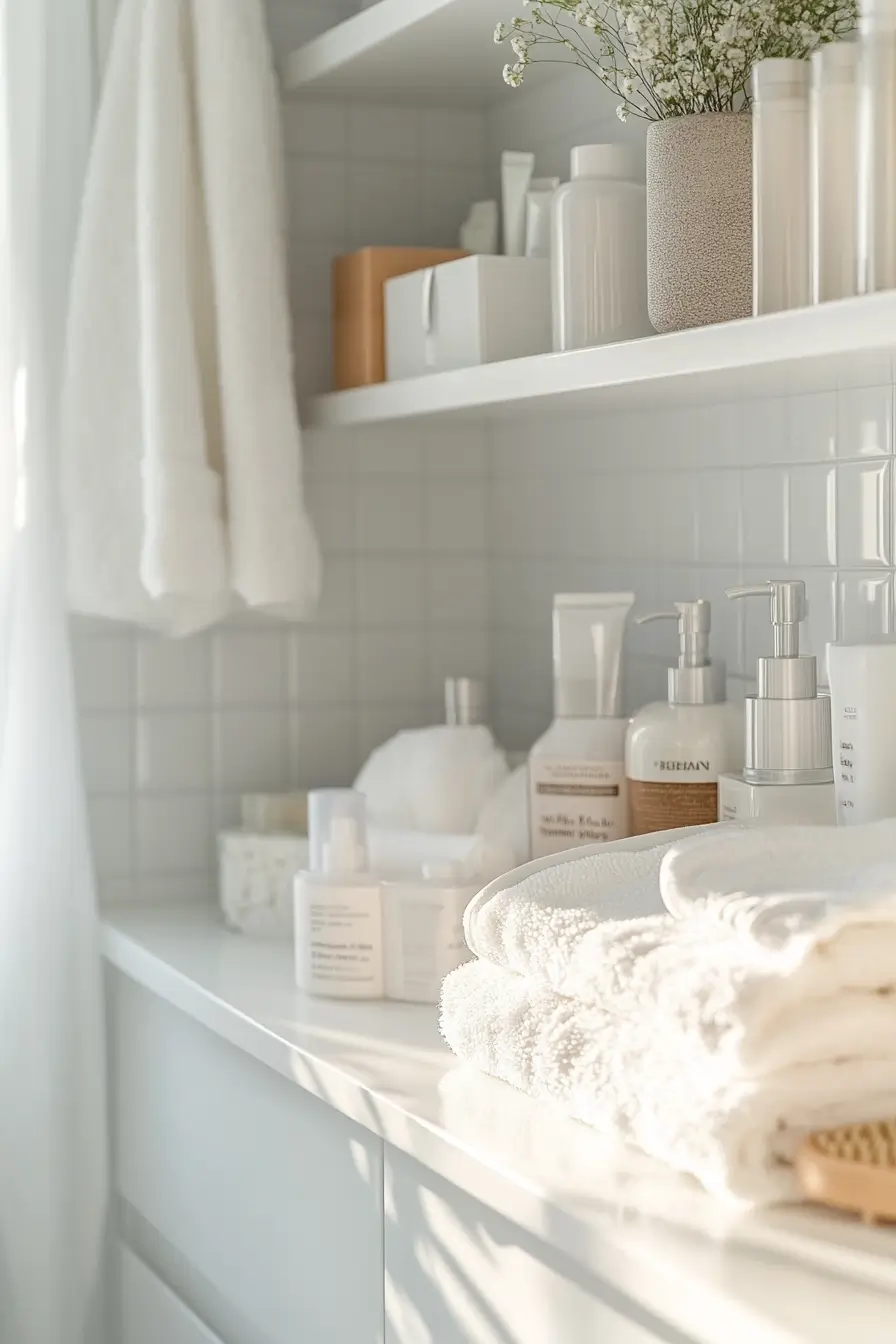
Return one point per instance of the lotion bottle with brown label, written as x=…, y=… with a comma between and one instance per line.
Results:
x=577, y=793
x=676, y=750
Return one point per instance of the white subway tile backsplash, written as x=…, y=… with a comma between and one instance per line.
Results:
x=390, y=516
x=452, y=135
x=865, y=422
x=324, y=748
x=318, y=198
x=332, y=504
x=103, y=667
x=250, y=750
x=384, y=205
x=459, y=651
x=173, y=751
x=391, y=591
x=453, y=452
x=812, y=427
x=764, y=496
x=455, y=516
x=865, y=605
x=456, y=591
x=718, y=516
x=813, y=515
x=248, y=667
x=311, y=129
x=111, y=835
x=106, y=752
x=864, y=514
x=391, y=666
x=822, y=623
x=384, y=133
x=173, y=833
x=393, y=451
x=321, y=667
x=173, y=673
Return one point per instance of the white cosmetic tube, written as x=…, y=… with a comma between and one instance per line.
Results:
x=863, y=714
x=516, y=177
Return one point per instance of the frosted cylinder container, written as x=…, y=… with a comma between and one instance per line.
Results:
x=834, y=171
x=877, y=146
x=781, y=263
x=863, y=712
x=599, y=250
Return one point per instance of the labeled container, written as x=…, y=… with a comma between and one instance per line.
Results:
x=877, y=145
x=359, y=341
x=834, y=171
x=781, y=261
x=423, y=925
x=863, y=709
x=577, y=785
x=599, y=250
x=788, y=771
x=338, y=903
x=675, y=750
x=468, y=312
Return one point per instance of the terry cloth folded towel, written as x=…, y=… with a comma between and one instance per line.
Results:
x=773, y=881
x=540, y=919
x=702, y=1047
x=180, y=445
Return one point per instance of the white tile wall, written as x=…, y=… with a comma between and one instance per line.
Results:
x=443, y=546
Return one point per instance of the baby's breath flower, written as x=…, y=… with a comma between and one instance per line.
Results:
x=668, y=58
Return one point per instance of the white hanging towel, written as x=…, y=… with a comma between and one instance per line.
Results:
x=180, y=442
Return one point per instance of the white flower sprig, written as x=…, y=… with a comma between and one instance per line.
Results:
x=668, y=58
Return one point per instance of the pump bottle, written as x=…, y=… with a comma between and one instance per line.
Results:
x=788, y=774
x=338, y=903
x=676, y=750
x=577, y=789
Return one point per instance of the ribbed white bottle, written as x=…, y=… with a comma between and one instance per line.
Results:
x=781, y=270
x=834, y=171
x=877, y=146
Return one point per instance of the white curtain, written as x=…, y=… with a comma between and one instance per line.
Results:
x=52, y=1107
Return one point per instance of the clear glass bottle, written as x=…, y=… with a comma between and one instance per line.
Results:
x=599, y=250
x=877, y=146
x=834, y=171
x=781, y=271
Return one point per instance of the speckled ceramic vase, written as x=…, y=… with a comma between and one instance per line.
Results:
x=700, y=219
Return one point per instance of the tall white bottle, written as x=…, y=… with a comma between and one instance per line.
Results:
x=788, y=773
x=676, y=750
x=577, y=788
x=338, y=903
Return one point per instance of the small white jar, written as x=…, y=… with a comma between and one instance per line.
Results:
x=599, y=250
x=423, y=928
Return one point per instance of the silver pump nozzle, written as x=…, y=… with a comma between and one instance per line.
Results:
x=788, y=724
x=465, y=701
x=697, y=680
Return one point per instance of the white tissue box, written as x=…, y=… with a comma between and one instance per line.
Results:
x=256, y=879
x=462, y=313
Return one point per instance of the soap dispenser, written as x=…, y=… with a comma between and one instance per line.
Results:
x=675, y=750
x=788, y=774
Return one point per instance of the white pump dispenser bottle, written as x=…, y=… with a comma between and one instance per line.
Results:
x=338, y=903
x=788, y=774
x=676, y=750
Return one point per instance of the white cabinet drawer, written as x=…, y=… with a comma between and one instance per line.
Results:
x=459, y=1273
x=274, y=1198
x=151, y=1313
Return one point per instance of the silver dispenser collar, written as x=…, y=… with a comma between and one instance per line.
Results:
x=697, y=680
x=788, y=724
x=465, y=701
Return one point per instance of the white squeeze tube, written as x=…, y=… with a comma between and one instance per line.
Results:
x=577, y=788
x=517, y=168
x=863, y=717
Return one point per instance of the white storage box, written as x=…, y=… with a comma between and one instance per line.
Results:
x=255, y=880
x=473, y=311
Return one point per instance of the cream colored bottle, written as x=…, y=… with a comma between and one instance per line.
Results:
x=675, y=750
x=577, y=793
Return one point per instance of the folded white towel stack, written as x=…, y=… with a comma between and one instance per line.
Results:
x=714, y=1041
x=180, y=444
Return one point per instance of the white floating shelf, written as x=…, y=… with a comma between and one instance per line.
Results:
x=804, y=350
x=438, y=52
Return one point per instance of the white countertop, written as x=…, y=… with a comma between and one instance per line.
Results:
x=786, y=1276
